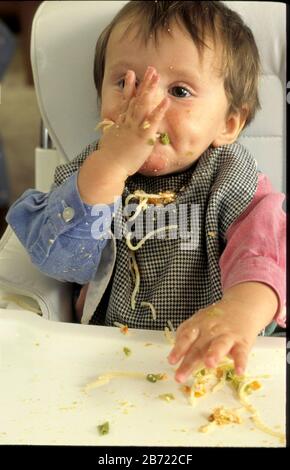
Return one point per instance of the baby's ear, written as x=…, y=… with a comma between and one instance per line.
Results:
x=233, y=125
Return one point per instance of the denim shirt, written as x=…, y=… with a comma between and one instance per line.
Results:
x=56, y=230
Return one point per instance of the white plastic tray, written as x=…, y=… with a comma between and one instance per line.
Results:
x=45, y=365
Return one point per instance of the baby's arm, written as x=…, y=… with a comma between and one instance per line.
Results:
x=256, y=243
x=253, y=281
x=61, y=245
x=55, y=228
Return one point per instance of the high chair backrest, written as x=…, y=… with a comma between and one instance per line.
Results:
x=63, y=42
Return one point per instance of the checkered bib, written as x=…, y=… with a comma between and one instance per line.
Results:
x=178, y=276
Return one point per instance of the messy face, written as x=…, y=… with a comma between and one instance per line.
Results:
x=196, y=115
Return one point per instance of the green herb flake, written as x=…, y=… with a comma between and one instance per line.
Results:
x=151, y=142
x=127, y=351
x=164, y=138
x=104, y=428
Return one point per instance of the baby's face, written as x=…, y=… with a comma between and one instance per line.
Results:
x=197, y=111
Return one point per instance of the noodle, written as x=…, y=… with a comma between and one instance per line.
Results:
x=149, y=235
x=148, y=304
x=137, y=280
x=106, y=378
x=144, y=199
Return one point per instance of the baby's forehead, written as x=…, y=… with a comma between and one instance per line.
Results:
x=130, y=36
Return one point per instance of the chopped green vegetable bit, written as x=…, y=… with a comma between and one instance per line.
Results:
x=154, y=377
x=164, y=138
x=150, y=141
x=104, y=428
x=127, y=351
x=151, y=378
x=229, y=374
x=233, y=378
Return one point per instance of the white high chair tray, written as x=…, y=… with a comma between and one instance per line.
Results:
x=44, y=367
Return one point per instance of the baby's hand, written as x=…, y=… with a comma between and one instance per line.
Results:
x=224, y=328
x=126, y=143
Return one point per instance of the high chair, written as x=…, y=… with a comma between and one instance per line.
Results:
x=63, y=41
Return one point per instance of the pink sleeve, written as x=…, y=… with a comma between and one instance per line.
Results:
x=256, y=246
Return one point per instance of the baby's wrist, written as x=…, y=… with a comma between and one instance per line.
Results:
x=100, y=180
x=255, y=295
x=256, y=302
x=110, y=167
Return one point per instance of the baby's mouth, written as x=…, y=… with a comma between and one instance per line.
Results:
x=155, y=162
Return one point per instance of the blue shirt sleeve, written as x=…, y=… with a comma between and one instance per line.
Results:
x=56, y=228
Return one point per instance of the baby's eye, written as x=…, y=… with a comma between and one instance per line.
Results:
x=180, y=92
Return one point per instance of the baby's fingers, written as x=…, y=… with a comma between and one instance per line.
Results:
x=127, y=97
x=240, y=353
x=184, y=339
x=129, y=87
x=157, y=114
x=191, y=361
x=219, y=348
x=149, y=74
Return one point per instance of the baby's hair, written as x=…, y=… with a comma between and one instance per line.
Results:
x=203, y=20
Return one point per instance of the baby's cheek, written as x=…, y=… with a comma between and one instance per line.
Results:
x=109, y=113
x=110, y=107
x=181, y=128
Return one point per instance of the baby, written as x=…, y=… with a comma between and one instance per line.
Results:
x=177, y=83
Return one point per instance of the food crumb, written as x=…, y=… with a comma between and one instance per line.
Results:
x=127, y=351
x=222, y=416
x=123, y=328
x=214, y=312
x=167, y=396
x=104, y=428
x=164, y=138
x=154, y=377
x=146, y=125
